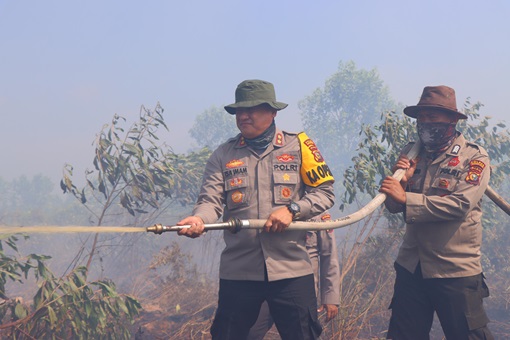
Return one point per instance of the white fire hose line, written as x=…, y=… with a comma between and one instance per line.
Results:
x=377, y=201
x=236, y=224
x=498, y=200
x=349, y=219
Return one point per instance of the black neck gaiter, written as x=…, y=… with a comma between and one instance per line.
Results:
x=263, y=140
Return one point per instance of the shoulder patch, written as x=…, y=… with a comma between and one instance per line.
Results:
x=475, y=172
x=314, y=170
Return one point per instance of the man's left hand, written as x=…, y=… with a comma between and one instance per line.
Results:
x=279, y=220
x=331, y=310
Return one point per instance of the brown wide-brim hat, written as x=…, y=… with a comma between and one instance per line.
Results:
x=254, y=92
x=436, y=97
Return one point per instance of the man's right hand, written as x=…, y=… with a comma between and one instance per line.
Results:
x=278, y=221
x=196, y=229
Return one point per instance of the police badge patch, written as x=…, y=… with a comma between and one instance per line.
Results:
x=444, y=183
x=286, y=192
x=285, y=158
x=237, y=196
x=475, y=172
x=454, y=161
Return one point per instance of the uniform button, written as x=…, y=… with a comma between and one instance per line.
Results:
x=413, y=219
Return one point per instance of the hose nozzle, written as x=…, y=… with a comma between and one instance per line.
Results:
x=234, y=225
x=156, y=229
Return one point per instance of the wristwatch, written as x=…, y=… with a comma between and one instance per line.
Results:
x=294, y=209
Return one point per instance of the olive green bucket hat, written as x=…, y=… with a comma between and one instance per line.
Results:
x=254, y=92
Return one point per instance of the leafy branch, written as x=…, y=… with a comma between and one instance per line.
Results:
x=135, y=171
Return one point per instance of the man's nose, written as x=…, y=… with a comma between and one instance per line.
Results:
x=242, y=114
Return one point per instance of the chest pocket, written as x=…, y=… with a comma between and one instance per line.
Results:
x=285, y=185
x=236, y=189
x=285, y=176
x=236, y=184
x=447, y=177
x=444, y=185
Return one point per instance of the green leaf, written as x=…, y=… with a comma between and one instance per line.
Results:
x=20, y=311
x=52, y=316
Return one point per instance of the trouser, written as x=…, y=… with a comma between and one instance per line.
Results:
x=457, y=302
x=262, y=325
x=292, y=304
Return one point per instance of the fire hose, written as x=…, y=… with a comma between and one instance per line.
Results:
x=235, y=225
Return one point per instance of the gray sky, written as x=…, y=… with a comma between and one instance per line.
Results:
x=67, y=66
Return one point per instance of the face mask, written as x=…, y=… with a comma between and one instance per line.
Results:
x=436, y=136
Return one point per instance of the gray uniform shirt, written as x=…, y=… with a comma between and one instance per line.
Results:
x=443, y=212
x=241, y=183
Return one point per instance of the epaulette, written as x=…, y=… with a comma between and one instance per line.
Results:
x=480, y=148
x=233, y=139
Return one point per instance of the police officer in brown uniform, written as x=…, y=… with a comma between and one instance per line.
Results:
x=263, y=173
x=321, y=247
x=438, y=265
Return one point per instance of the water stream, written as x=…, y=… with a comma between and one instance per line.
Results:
x=5, y=230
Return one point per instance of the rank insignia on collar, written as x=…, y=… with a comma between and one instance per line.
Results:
x=242, y=142
x=455, y=149
x=279, y=139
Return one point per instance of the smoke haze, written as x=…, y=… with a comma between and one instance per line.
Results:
x=67, y=67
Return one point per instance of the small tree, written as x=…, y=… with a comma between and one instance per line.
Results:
x=133, y=171
x=63, y=308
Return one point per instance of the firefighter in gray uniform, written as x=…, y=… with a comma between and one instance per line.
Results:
x=438, y=265
x=321, y=247
x=263, y=173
